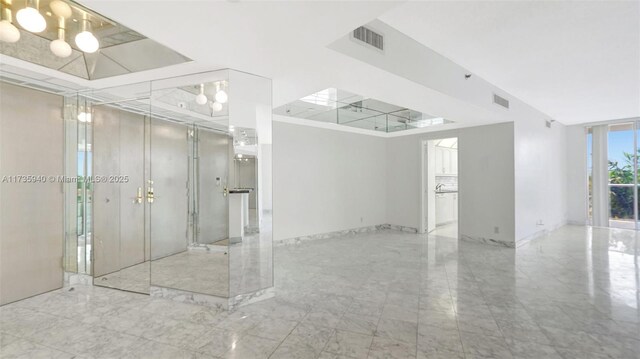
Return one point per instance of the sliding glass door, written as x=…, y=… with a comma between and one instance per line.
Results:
x=622, y=155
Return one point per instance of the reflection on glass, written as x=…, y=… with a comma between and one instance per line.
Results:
x=189, y=226
x=158, y=166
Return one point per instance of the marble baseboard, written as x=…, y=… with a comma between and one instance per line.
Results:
x=207, y=248
x=346, y=232
x=327, y=235
x=490, y=241
x=189, y=297
x=249, y=298
x=220, y=303
x=396, y=227
x=71, y=279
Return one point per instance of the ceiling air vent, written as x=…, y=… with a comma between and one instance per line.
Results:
x=500, y=101
x=369, y=37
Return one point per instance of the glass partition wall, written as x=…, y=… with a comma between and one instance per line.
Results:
x=173, y=196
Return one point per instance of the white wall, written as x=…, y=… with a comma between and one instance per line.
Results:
x=326, y=180
x=485, y=180
x=540, y=174
x=512, y=176
x=576, y=174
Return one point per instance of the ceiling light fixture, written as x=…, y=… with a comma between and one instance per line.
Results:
x=30, y=18
x=59, y=47
x=201, y=99
x=84, y=117
x=85, y=40
x=216, y=106
x=221, y=94
x=8, y=31
x=61, y=9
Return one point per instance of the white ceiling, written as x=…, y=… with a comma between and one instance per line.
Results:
x=575, y=61
x=578, y=61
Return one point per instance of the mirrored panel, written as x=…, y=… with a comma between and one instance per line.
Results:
x=251, y=249
x=174, y=186
x=340, y=107
x=190, y=173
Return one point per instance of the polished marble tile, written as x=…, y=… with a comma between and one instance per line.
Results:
x=349, y=344
x=386, y=294
x=382, y=348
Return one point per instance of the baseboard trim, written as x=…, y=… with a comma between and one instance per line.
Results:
x=343, y=233
x=489, y=241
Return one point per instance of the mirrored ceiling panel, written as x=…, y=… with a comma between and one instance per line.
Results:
x=68, y=37
x=344, y=108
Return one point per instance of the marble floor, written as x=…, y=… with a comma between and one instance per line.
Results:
x=572, y=294
x=446, y=230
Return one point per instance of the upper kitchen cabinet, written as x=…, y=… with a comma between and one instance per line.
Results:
x=446, y=161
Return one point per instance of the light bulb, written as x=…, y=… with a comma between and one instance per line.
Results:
x=201, y=99
x=87, y=42
x=8, y=32
x=61, y=8
x=60, y=48
x=216, y=106
x=31, y=19
x=84, y=117
x=221, y=96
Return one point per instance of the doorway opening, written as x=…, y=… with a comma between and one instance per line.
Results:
x=439, y=184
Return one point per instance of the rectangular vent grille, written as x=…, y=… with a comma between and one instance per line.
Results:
x=500, y=101
x=369, y=37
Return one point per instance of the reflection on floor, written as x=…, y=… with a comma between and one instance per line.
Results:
x=571, y=294
x=203, y=271
x=623, y=224
x=133, y=279
x=193, y=271
x=449, y=230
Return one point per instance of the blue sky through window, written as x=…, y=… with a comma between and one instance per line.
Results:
x=620, y=142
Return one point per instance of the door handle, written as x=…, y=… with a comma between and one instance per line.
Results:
x=150, y=195
x=138, y=198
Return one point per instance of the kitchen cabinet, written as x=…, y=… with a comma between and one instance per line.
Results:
x=446, y=161
x=446, y=208
x=438, y=158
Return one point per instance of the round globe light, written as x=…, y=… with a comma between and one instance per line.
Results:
x=87, y=42
x=201, y=99
x=221, y=96
x=84, y=117
x=216, y=106
x=31, y=19
x=8, y=32
x=61, y=8
x=60, y=48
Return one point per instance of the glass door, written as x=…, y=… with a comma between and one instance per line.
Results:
x=623, y=180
